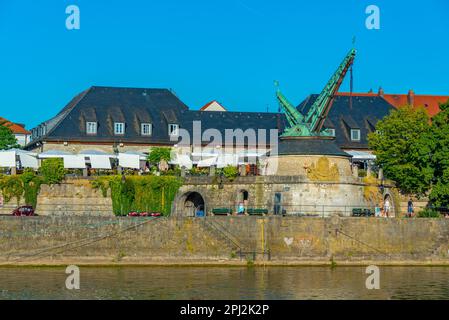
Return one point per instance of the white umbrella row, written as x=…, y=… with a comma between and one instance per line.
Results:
x=220, y=160
x=11, y=158
x=130, y=159
x=96, y=159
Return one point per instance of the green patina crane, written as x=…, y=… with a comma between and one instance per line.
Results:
x=311, y=124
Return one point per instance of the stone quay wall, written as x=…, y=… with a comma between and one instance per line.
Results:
x=73, y=197
x=222, y=240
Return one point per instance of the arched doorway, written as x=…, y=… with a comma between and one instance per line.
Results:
x=194, y=204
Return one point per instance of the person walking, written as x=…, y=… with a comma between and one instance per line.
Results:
x=410, y=209
x=387, y=208
x=377, y=212
x=241, y=209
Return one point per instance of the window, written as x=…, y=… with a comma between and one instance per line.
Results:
x=42, y=131
x=355, y=134
x=173, y=129
x=146, y=129
x=331, y=132
x=91, y=127
x=119, y=128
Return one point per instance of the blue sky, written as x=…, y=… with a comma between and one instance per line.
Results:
x=208, y=49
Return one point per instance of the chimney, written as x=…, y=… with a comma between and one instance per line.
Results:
x=411, y=98
x=381, y=92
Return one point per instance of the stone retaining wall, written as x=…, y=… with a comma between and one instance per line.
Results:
x=75, y=197
x=298, y=194
x=101, y=240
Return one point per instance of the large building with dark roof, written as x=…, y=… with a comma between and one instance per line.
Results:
x=130, y=119
x=352, y=121
x=133, y=119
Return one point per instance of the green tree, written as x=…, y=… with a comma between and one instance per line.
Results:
x=159, y=154
x=439, y=195
x=403, y=145
x=7, y=138
x=52, y=170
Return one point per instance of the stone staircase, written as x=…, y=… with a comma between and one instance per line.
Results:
x=222, y=234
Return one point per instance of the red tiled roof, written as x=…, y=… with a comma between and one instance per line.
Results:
x=15, y=128
x=206, y=105
x=429, y=102
x=209, y=103
x=357, y=94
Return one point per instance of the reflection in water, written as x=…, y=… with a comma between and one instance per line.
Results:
x=199, y=283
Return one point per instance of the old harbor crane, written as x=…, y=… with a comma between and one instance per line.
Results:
x=311, y=124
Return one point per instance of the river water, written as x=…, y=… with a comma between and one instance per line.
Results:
x=225, y=283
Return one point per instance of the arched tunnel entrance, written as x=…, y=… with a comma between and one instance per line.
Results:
x=194, y=205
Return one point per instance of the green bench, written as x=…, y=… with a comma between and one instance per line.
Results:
x=359, y=212
x=257, y=212
x=221, y=211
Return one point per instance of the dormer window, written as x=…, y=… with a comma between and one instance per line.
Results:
x=146, y=129
x=173, y=129
x=119, y=128
x=42, y=131
x=91, y=127
x=355, y=134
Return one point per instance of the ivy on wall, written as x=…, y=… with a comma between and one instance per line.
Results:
x=26, y=185
x=139, y=193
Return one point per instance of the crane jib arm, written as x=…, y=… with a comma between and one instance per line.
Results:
x=294, y=117
x=320, y=109
x=312, y=123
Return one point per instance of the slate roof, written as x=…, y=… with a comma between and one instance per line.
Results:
x=223, y=120
x=366, y=111
x=160, y=107
x=309, y=146
x=106, y=105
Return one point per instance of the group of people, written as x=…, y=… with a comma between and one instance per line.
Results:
x=385, y=210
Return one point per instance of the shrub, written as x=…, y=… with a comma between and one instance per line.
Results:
x=230, y=172
x=429, y=213
x=31, y=186
x=176, y=171
x=11, y=187
x=26, y=185
x=195, y=171
x=52, y=170
x=362, y=173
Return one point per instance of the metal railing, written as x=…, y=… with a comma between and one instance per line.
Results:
x=294, y=210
